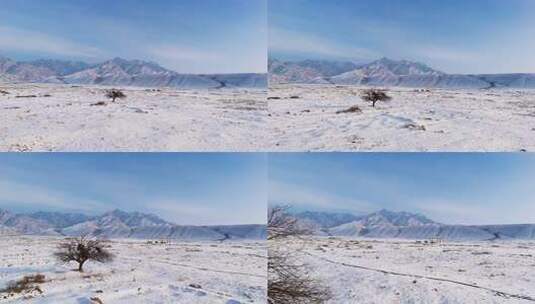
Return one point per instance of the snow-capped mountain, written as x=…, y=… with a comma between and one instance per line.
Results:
x=383, y=223
x=25, y=224
x=5, y=64
x=120, y=72
x=39, y=70
x=60, y=220
x=120, y=224
x=116, y=223
x=60, y=67
x=399, y=73
x=403, y=73
x=325, y=219
x=405, y=225
x=306, y=70
x=397, y=219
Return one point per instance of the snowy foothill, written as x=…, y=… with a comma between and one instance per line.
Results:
x=143, y=271
x=316, y=117
x=418, y=271
x=60, y=117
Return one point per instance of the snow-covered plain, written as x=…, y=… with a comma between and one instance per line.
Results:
x=62, y=118
x=175, y=272
x=398, y=271
x=303, y=117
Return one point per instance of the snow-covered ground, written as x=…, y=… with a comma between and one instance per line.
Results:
x=304, y=118
x=178, y=272
x=62, y=118
x=395, y=271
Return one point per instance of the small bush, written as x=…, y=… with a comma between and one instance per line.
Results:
x=113, y=94
x=374, y=95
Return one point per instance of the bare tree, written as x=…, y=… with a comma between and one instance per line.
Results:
x=81, y=250
x=288, y=280
x=374, y=95
x=113, y=94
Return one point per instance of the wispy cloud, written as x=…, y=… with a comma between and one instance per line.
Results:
x=302, y=196
x=288, y=41
x=473, y=212
x=184, y=58
x=21, y=40
x=443, y=53
x=180, y=53
x=198, y=212
x=26, y=195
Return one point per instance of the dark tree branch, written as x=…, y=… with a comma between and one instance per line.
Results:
x=81, y=250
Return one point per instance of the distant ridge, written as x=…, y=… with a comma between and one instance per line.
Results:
x=392, y=73
x=121, y=72
x=405, y=225
x=120, y=224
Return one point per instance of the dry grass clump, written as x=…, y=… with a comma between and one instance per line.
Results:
x=28, y=284
x=353, y=109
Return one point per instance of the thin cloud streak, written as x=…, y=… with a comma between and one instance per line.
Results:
x=21, y=194
x=288, y=41
x=13, y=39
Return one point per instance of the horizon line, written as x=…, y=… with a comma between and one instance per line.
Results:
x=363, y=62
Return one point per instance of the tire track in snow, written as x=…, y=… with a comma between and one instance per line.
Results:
x=204, y=268
x=417, y=276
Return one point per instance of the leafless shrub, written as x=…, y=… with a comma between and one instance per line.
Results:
x=81, y=250
x=290, y=283
x=288, y=280
x=113, y=94
x=374, y=95
x=281, y=224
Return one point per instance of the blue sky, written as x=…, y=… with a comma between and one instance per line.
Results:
x=482, y=188
x=193, y=188
x=190, y=36
x=456, y=36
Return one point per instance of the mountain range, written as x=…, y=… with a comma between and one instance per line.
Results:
x=389, y=73
x=120, y=72
x=405, y=225
x=120, y=224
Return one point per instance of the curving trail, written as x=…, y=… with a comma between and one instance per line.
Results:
x=417, y=276
x=202, y=268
